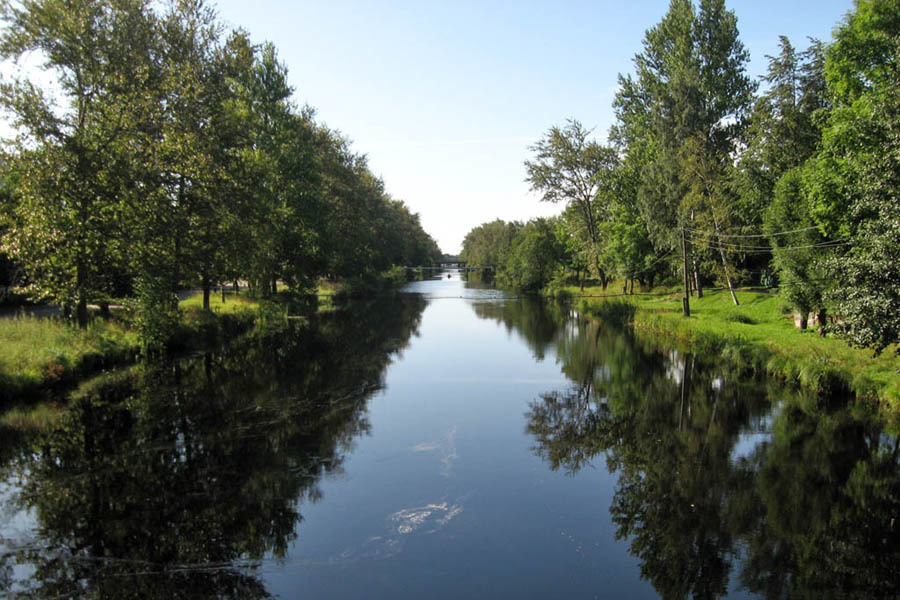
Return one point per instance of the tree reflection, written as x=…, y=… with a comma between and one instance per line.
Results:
x=173, y=481
x=534, y=319
x=813, y=512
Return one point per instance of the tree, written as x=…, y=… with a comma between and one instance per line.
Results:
x=534, y=257
x=783, y=132
x=797, y=247
x=75, y=155
x=489, y=245
x=853, y=189
x=681, y=116
x=570, y=167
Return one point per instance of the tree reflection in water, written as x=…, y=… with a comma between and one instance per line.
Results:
x=175, y=480
x=812, y=512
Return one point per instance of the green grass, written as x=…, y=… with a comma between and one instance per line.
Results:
x=44, y=352
x=760, y=334
x=234, y=302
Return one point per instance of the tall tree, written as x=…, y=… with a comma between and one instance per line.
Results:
x=684, y=107
x=570, y=167
x=857, y=172
x=782, y=135
x=76, y=153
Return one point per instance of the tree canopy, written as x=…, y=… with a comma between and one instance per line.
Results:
x=173, y=156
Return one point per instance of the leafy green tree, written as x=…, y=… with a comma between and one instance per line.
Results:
x=853, y=188
x=76, y=155
x=570, y=167
x=535, y=256
x=680, y=117
x=9, y=269
x=782, y=135
x=799, y=250
x=490, y=244
x=628, y=251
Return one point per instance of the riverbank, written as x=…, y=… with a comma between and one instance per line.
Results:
x=40, y=355
x=758, y=335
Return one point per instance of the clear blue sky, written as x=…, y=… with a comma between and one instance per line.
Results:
x=445, y=96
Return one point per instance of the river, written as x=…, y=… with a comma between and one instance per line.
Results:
x=450, y=443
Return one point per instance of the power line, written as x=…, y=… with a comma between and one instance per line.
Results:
x=715, y=245
x=756, y=235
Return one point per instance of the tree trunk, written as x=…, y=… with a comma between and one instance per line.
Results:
x=104, y=310
x=697, y=285
x=686, y=301
x=81, y=313
x=632, y=286
x=804, y=317
x=601, y=274
x=725, y=264
x=822, y=315
x=206, y=290
x=223, y=293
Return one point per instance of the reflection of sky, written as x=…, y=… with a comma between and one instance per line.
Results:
x=754, y=434
x=16, y=532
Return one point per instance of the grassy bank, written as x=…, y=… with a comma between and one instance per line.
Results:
x=38, y=354
x=759, y=334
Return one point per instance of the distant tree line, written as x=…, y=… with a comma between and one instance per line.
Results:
x=169, y=153
x=710, y=181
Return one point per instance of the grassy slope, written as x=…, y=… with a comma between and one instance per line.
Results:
x=40, y=352
x=234, y=303
x=760, y=334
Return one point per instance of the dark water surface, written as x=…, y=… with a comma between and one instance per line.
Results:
x=450, y=444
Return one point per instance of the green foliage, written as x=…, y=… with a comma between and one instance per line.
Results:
x=569, y=167
x=799, y=256
x=679, y=118
x=72, y=162
x=488, y=245
x=535, y=257
x=860, y=159
x=176, y=158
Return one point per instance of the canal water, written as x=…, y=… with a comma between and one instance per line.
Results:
x=450, y=443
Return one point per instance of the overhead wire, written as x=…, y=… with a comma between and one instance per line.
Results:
x=707, y=242
x=755, y=235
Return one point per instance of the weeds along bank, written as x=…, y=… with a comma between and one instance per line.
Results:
x=40, y=356
x=758, y=335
